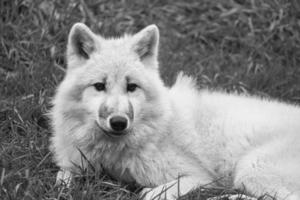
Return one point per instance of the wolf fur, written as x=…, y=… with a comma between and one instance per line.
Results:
x=204, y=137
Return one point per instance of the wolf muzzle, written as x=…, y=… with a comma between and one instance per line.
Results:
x=117, y=121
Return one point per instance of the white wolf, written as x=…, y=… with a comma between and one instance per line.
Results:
x=113, y=107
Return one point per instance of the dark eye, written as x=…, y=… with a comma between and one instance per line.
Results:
x=99, y=86
x=131, y=87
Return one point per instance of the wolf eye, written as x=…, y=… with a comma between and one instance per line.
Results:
x=131, y=87
x=99, y=86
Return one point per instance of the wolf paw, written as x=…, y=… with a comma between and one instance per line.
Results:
x=158, y=193
x=152, y=194
x=233, y=197
x=64, y=178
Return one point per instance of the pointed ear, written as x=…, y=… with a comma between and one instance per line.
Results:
x=81, y=42
x=145, y=43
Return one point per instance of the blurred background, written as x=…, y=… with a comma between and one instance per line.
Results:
x=244, y=46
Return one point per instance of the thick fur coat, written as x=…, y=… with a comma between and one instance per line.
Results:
x=113, y=107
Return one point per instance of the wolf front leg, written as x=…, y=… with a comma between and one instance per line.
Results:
x=174, y=189
x=64, y=178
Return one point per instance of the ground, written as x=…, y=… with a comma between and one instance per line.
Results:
x=236, y=45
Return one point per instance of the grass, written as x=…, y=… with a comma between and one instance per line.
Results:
x=244, y=46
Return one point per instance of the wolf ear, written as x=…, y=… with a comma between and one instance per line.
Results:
x=81, y=41
x=145, y=43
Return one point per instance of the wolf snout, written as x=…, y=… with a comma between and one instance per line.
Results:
x=118, y=123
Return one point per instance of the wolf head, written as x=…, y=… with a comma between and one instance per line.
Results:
x=112, y=85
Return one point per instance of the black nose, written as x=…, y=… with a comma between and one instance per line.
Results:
x=118, y=123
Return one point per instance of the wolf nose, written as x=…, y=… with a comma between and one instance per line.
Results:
x=118, y=123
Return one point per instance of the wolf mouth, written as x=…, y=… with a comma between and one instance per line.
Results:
x=114, y=134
